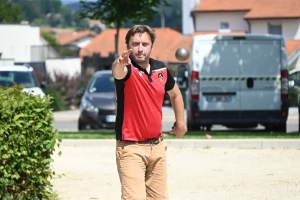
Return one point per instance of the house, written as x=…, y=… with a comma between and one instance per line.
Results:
x=248, y=16
x=23, y=43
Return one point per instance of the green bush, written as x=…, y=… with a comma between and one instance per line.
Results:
x=58, y=103
x=64, y=89
x=27, y=141
x=293, y=96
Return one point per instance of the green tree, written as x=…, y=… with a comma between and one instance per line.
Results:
x=172, y=16
x=37, y=9
x=116, y=13
x=9, y=12
x=50, y=39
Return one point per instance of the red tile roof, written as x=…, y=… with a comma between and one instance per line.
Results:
x=291, y=46
x=67, y=36
x=255, y=9
x=73, y=36
x=166, y=43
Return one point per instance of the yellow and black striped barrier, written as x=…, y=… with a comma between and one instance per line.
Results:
x=240, y=79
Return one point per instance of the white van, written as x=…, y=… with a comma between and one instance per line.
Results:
x=238, y=81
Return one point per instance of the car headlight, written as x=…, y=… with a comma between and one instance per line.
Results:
x=88, y=106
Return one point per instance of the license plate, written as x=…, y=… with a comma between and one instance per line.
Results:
x=110, y=118
x=214, y=99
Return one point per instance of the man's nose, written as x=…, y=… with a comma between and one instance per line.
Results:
x=140, y=47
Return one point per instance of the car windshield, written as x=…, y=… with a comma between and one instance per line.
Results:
x=26, y=78
x=104, y=83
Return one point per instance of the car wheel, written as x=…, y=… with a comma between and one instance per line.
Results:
x=80, y=125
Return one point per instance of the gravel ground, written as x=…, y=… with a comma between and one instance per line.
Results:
x=89, y=172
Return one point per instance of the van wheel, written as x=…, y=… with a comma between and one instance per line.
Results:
x=280, y=128
x=192, y=126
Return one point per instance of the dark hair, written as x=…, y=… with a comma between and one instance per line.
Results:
x=140, y=29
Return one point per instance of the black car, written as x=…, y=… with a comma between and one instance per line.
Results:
x=98, y=104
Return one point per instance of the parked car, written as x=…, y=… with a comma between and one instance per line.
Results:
x=22, y=75
x=294, y=89
x=294, y=77
x=98, y=105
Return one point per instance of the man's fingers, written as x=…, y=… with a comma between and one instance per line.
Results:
x=126, y=54
x=124, y=58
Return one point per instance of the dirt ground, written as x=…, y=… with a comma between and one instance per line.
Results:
x=89, y=172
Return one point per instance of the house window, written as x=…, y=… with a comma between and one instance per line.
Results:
x=224, y=25
x=275, y=29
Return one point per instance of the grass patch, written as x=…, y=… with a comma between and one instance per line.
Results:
x=109, y=134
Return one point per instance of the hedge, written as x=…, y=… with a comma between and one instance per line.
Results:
x=27, y=141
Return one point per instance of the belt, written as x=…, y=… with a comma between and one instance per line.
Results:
x=147, y=141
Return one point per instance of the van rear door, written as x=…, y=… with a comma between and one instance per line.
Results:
x=218, y=61
x=260, y=73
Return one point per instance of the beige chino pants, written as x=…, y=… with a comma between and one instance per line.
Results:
x=142, y=170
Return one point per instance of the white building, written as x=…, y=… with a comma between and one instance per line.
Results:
x=23, y=43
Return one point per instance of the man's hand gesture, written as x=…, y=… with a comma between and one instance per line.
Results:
x=124, y=58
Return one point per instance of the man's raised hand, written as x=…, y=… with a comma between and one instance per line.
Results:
x=124, y=57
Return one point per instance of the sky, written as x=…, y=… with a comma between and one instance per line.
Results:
x=64, y=2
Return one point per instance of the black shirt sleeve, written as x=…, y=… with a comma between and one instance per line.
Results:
x=170, y=81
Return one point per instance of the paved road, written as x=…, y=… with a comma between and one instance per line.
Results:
x=67, y=120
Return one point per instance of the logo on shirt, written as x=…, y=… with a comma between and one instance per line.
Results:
x=160, y=77
x=140, y=73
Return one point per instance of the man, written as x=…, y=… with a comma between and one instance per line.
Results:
x=141, y=83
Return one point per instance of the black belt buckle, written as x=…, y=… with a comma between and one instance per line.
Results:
x=152, y=141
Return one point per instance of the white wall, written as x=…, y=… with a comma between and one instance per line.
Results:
x=259, y=27
x=297, y=63
x=187, y=18
x=212, y=21
x=290, y=28
x=16, y=41
x=67, y=66
x=7, y=62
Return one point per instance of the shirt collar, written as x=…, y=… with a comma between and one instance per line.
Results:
x=152, y=67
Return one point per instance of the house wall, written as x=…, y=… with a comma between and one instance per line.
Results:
x=208, y=22
x=290, y=28
x=7, y=62
x=187, y=18
x=16, y=41
x=67, y=66
x=297, y=63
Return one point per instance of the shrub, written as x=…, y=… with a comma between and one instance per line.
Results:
x=293, y=96
x=27, y=141
x=64, y=89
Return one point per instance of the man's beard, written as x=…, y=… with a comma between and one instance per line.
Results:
x=140, y=61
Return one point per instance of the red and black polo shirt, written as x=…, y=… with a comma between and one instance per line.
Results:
x=140, y=98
